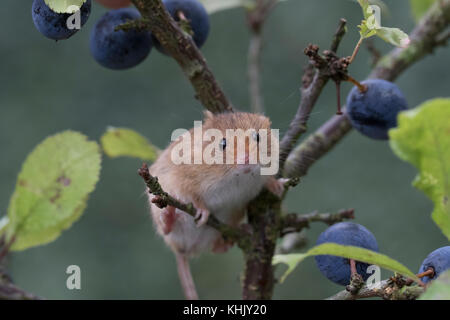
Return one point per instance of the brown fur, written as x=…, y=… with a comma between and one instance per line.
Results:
x=191, y=183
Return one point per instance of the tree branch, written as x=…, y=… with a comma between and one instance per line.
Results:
x=387, y=289
x=264, y=217
x=256, y=17
x=424, y=39
x=313, y=83
x=182, y=48
x=254, y=72
x=164, y=200
x=296, y=222
x=8, y=291
x=264, y=213
x=316, y=145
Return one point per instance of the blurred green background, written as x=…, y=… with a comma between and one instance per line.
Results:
x=47, y=87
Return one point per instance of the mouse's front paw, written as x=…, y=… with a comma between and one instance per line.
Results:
x=202, y=216
x=276, y=186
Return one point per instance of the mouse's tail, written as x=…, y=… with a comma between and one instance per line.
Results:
x=184, y=272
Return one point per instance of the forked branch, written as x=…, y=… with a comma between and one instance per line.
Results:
x=425, y=38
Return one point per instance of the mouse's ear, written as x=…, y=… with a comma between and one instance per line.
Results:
x=207, y=114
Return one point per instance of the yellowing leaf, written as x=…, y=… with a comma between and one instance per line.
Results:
x=393, y=36
x=420, y=7
x=350, y=252
x=52, y=189
x=65, y=6
x=422, y=138
x=117, y=142
x=439, y=288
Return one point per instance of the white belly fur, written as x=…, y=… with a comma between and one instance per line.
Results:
x=221, y=199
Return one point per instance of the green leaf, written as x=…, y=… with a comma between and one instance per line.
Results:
x=117, y=142
x=371, y=25
x=393, y=36
x=420, y=7
x=65, y=6
x=365, y=8
x=291, y=260
x=350, y=252
x=52, y=189
x=364, y=30
x=422, y=138
x=439, y=288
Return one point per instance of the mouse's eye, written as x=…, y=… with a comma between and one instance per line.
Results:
x=256, y=136
x=223, y=144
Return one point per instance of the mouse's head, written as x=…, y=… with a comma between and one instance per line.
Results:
x=241, y=140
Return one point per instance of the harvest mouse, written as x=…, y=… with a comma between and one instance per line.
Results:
x=221, y=189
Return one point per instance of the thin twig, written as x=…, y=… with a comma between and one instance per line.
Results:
x=316, y=145
x=256, y=17
x=356, y=50
x=338, y=98
x=296, y=222
x=338, y=35
x=363, y=293
x=164, y=199
x=362, y=88
x=254, y=72
x=8, y=291
x=310, y=92
x=386, y=289
x=389, y=68
x=5, y=246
